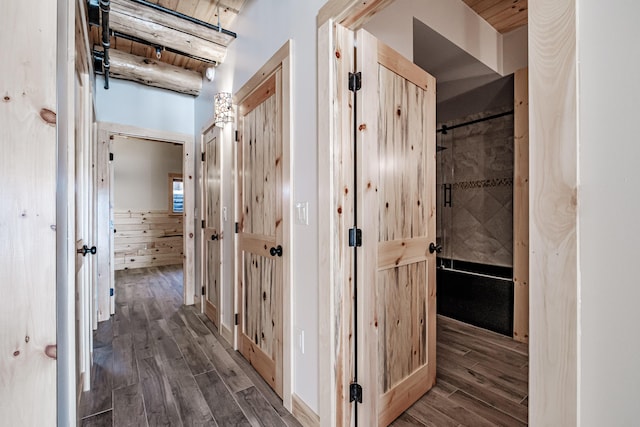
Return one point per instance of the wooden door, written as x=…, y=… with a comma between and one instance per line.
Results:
x=260, y=230
x=212, y=231
x=395, y=159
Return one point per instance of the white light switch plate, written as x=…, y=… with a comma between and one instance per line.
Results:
x=302, y=213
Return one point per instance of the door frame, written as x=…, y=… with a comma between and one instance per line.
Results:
x=106, y=132
x=553, y=331
x=282, y=58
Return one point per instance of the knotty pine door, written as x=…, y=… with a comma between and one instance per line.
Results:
x=395, y=164
x=212, y=236
x=260, y=229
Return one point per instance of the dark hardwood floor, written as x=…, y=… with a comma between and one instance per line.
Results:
x=482, y=380
x=157, y=362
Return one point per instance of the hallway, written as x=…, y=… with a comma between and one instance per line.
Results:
x=157, y=362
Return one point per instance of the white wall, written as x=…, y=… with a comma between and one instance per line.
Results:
x=609, y=212
x=454, y=20
x=133, y=104
x=263, y=27
x=141, y=173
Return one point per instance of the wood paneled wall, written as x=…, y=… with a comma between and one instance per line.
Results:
x=147, y=239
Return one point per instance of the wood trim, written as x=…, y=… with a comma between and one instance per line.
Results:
x=400, y=65
x=212, y=313
x=260, y=361
x=106, y=130
x=396, y=253
x=521, y=207
x=335, y=216
x=305, y=415
x=554, y=291
x=351, y=14
x=268, y=68
x=103, y=225
x=409, y=390
x=258, y=96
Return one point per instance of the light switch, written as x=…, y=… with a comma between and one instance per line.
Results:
x=302, y=213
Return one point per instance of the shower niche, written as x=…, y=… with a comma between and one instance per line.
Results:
x=475, y=169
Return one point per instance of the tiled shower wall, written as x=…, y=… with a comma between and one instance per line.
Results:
x=478, y=164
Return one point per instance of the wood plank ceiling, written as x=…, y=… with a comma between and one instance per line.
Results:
x=503, y=15
x=204, y=10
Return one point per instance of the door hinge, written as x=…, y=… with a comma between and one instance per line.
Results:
x=203, y=156
x=355, y=237
x=355, y=81
x=237, y=137
x=203, y=223
x=237, y=228
x=236, y=319
x=355, y=393
x=111, y=157
x=202, y=291
x=111, y=291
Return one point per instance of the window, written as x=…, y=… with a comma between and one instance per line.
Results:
x=176, y=194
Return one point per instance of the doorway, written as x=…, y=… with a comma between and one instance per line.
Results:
x=157, y=223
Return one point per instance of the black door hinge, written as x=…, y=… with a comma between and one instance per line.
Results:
x=236, y=319
x=355, y=393
x=111, y=291
x=202, y=291
x=237, y=228
x=355, y=237
x=237, y=137
x=355, y=81
x=203, y=223
x=111, y=157
x=203, y=156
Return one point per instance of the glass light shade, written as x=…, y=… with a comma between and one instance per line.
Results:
x=223, y=109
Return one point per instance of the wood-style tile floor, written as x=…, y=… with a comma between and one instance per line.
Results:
x=482, y=380
x=157, y=362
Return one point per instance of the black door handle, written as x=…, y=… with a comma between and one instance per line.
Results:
x=276, y=251
x=434, y=248
x=214, y=237
x=87, y=250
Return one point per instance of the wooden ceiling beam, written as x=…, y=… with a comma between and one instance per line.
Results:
x=166, y=36
x=154, y=73
x=149, y=14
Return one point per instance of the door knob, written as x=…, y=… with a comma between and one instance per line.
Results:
x=276, y=251
x=434, y=248
x=214, y=237
x=87, y=250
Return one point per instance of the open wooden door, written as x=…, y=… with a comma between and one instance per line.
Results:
x=395, y=162
x=260, y=229
x=212, y=230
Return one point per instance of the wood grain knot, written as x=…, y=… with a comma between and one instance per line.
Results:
x=338, y=55
x=362, y=127
x=399, y=112
x=7, y=98
x=339, y=210
x=264, y=296
x=191, y=235
x=51, y=351
x=26, y=339
x=190, y=177
x=48, y=116
x=346, y=190
x=16, y=353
